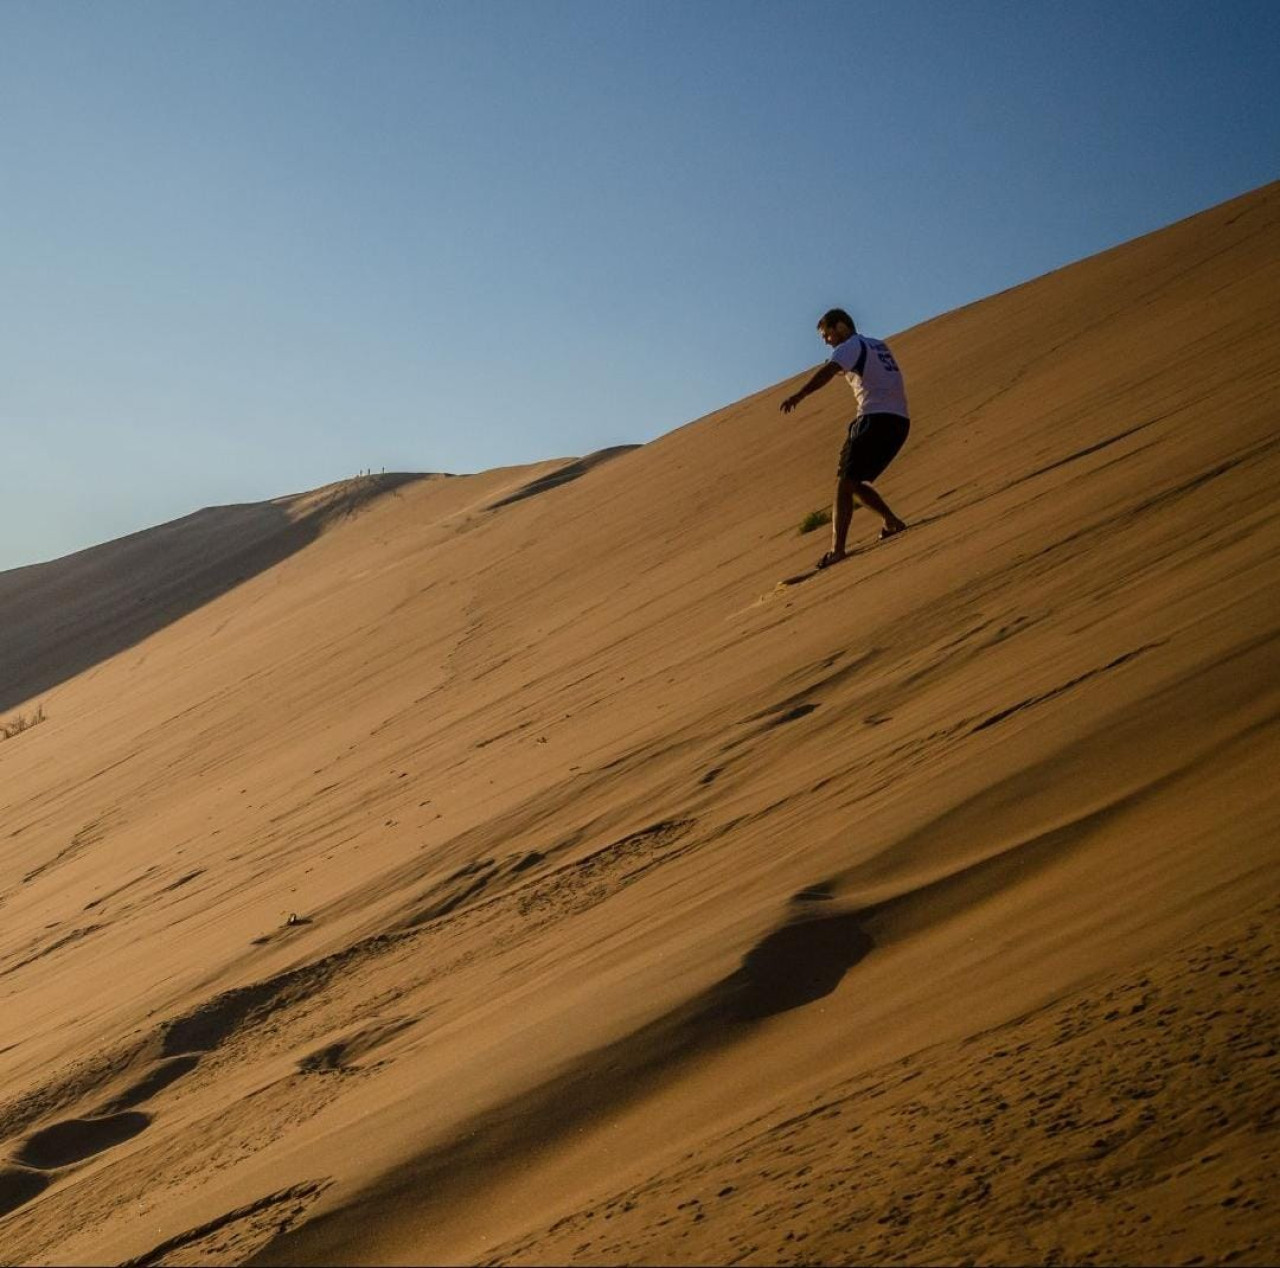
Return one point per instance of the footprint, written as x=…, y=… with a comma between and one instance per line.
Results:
x=185, y=1040
x=78, y=1138
x=341, y=1057
x=797, y=964
x=18, y=1186
x=165, y=1073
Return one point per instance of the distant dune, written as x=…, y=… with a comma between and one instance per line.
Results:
x=508, y=869
x=64, y=617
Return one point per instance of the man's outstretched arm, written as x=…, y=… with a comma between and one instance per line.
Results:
x=821, y=377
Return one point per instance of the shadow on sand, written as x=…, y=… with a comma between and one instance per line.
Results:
x=572, y=470
x=802, y=961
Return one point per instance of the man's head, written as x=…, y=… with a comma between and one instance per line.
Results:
x=835, y=326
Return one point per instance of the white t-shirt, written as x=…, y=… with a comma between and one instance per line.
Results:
x=873, y=374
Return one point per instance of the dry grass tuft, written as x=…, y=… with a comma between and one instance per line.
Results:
x=21, y=723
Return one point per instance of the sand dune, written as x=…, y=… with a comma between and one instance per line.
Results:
x=64, y=617
x=507, y=868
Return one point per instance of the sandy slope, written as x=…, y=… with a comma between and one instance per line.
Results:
x=510, y=872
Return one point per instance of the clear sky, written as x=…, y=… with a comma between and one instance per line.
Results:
x=248, y=247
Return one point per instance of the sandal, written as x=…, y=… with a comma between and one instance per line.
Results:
x=828, y=559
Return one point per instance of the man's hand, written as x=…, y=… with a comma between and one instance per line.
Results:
x=821, y=377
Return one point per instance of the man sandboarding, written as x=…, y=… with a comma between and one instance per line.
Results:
x=875, y=435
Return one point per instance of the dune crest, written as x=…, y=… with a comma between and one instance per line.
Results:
x=513, y=872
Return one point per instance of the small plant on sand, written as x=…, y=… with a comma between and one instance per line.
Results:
x=21, y=723
x=815, y=519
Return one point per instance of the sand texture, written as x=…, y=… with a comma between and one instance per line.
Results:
x=512, y=868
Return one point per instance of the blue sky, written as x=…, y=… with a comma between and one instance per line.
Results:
x=249, y=248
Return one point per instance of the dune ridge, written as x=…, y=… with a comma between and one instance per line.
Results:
x=516, y=871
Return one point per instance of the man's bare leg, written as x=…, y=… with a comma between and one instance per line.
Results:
x=868, y=497
x=841, y=514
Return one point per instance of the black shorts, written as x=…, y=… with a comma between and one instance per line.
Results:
x=872, y=444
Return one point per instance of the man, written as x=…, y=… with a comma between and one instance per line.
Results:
x=875, y=435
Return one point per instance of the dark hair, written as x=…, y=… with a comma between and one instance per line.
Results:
x=833, y=316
